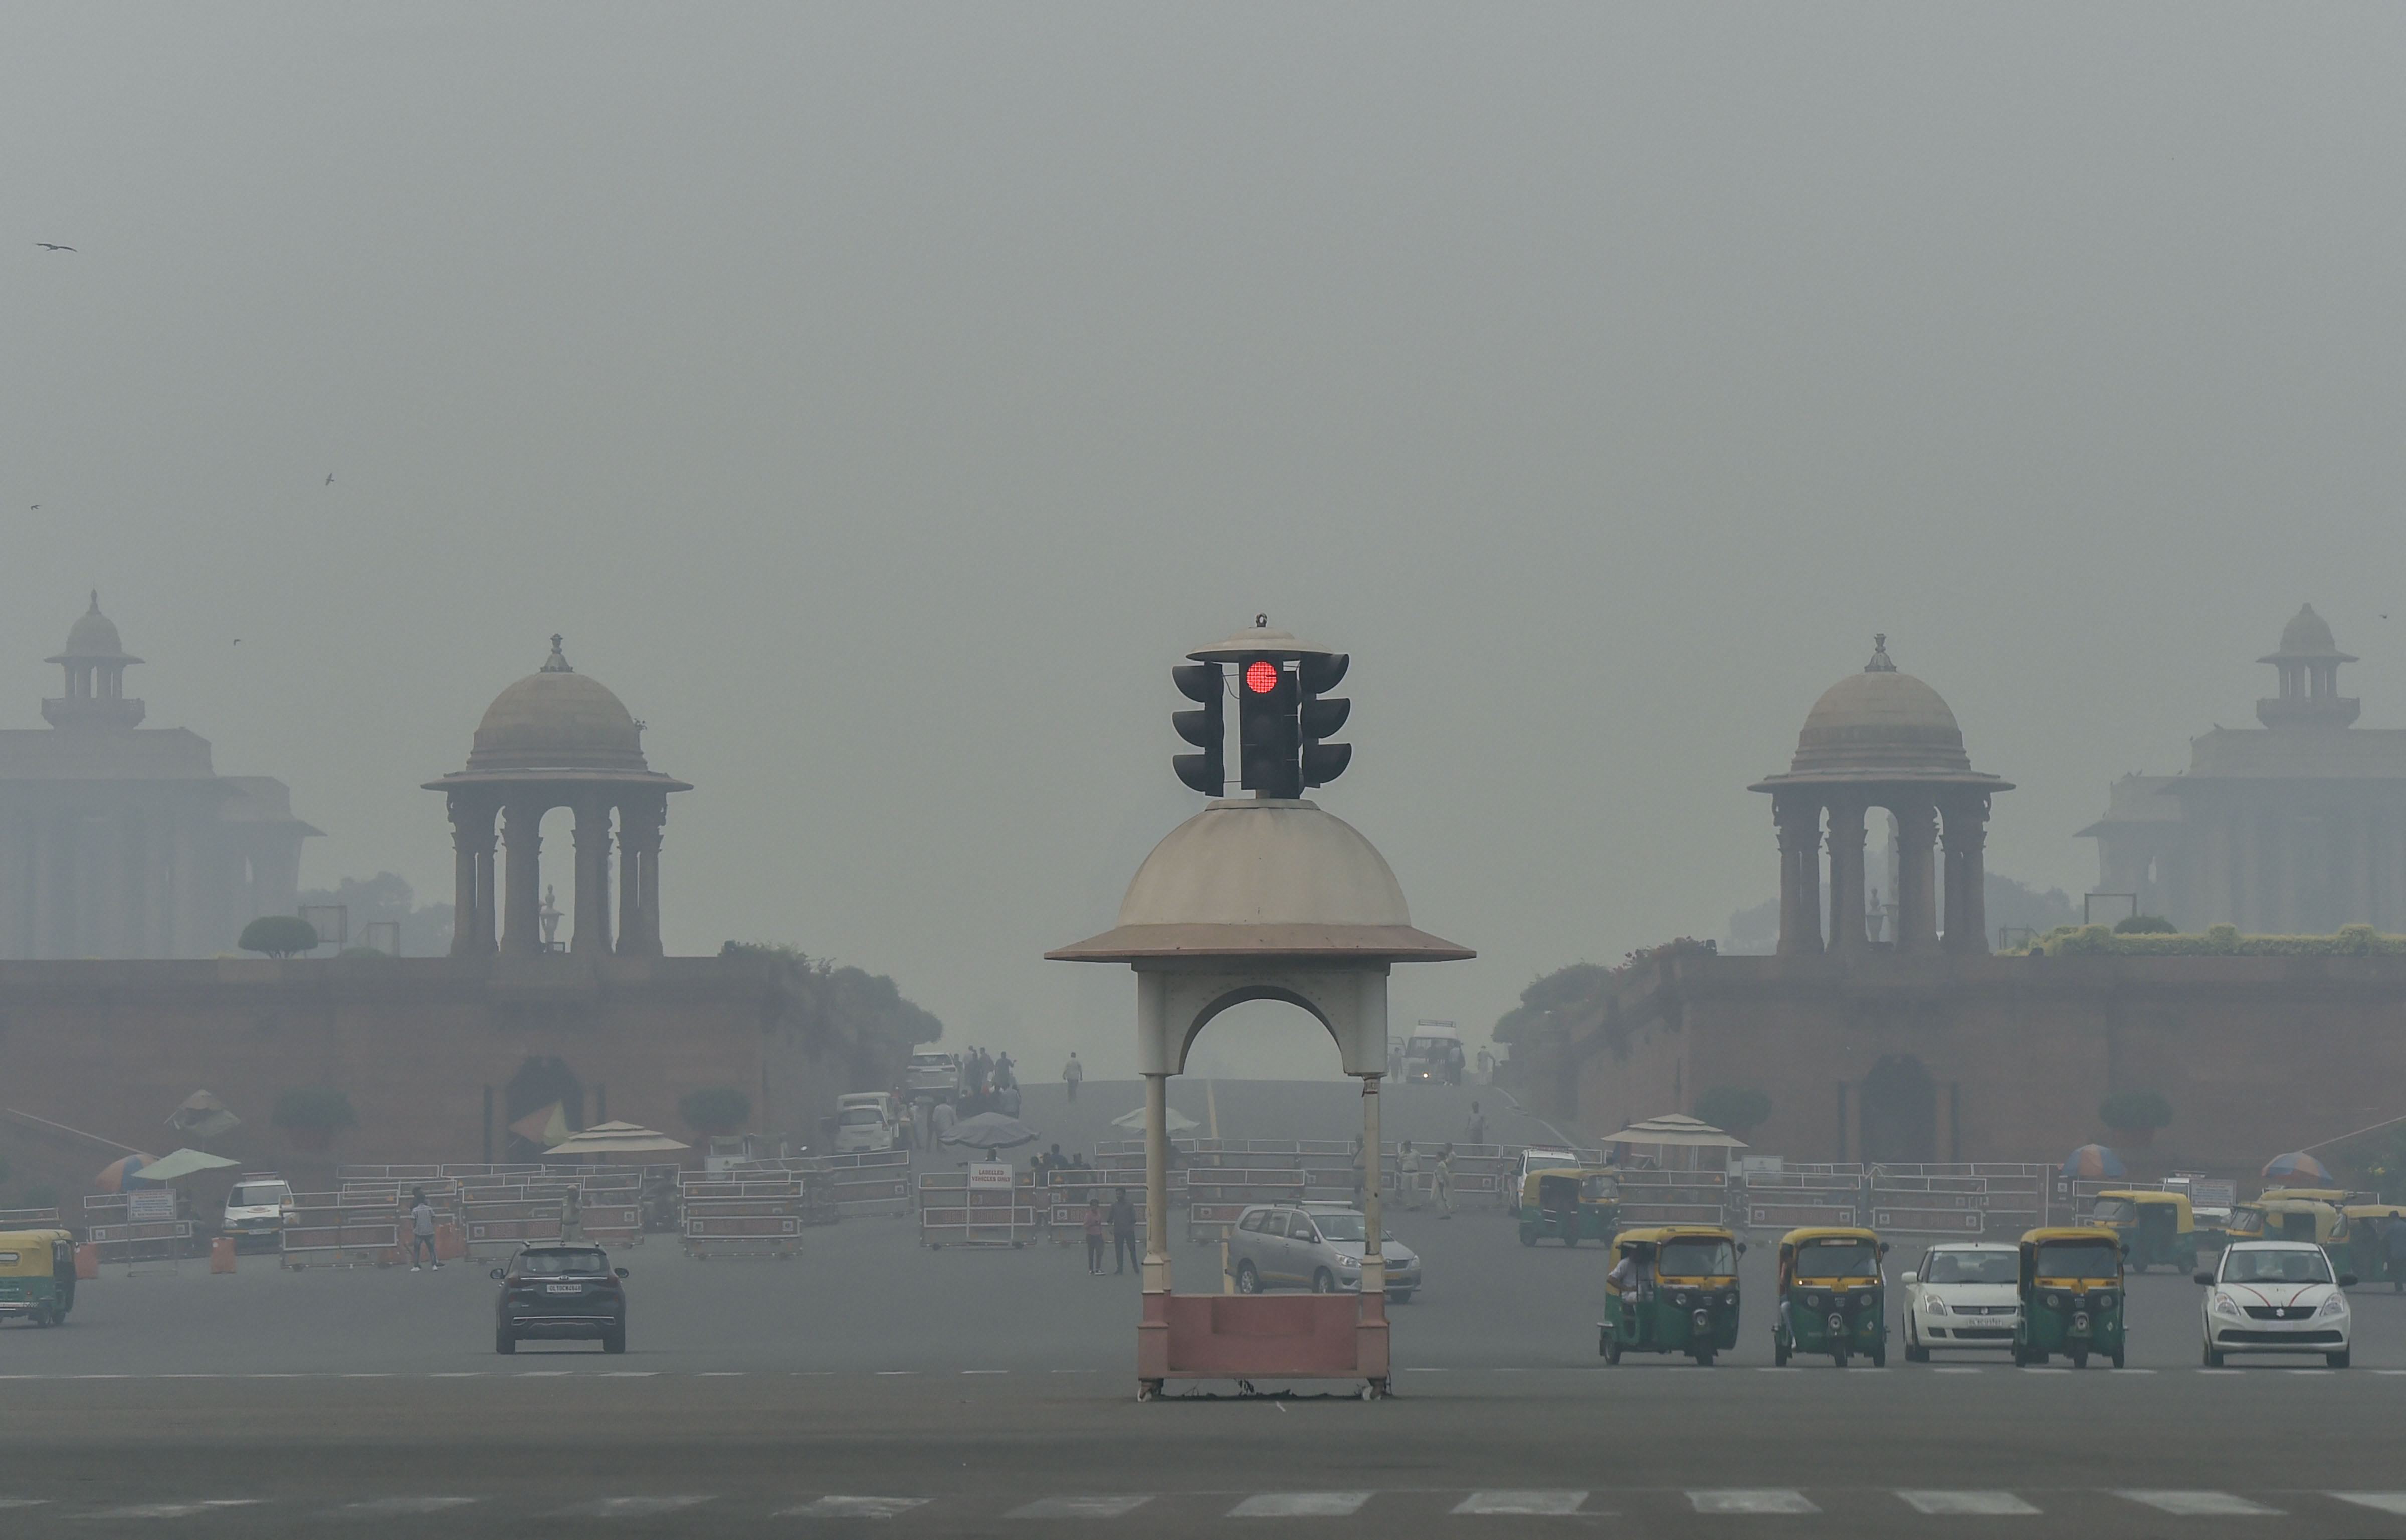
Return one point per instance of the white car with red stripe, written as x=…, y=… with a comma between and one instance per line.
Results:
x=2275, y=1296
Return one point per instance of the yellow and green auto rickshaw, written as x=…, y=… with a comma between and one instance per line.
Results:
x=2155, y=1228
x=2072, y=1296
x=1570, y=1203
x=2368, y=1242
x=37, y=1276
x=2281, y=1215
x=1673, y=1289
x=1832, y=1299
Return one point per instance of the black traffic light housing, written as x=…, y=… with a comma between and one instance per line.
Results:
x=1205, y=728
x=1267, y=731
x=1316, y=674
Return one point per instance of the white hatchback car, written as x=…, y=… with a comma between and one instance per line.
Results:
x=2275, y=1296
x=1961, y=1295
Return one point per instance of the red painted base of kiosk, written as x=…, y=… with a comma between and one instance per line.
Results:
x=1262, y=1336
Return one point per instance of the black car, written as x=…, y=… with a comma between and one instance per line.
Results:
x=560, y=1291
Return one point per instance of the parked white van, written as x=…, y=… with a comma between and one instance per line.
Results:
x=866, y=1119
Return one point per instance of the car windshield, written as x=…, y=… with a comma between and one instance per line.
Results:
x=562, y=1263
x=2113, y=1210
x=2080, y=1259
x=1698, y=1256
x=1848, y=1258
x=259, y=1195
x=2276, y=1268
x=2247, y=1221
x=1350, y=1226
x=853, y=1117
x=1969, y=1267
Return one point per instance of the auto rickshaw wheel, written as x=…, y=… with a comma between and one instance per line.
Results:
x=1703, y=1357
x=2118, y=1358
x=1879, y=1356
x=1612, y=1347
x=1779, y=1350
x=1838, y=1355
x=1528, y=1238
x=2080, y=1358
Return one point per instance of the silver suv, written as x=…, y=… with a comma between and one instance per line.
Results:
x=1315, y=1245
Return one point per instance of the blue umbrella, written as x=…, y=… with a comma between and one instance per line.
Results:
x=2093, y=1160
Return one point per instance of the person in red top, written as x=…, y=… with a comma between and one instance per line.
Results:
x=1094, y=1235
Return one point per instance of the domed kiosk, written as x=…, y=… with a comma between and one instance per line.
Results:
x=1270, y=898
x=557, y=739
x=1881, y=739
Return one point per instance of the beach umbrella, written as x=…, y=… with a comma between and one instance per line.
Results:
x=183, y=1162
x=124, y=1168
x=613, y=1138
x=2093, y=1162
x=1676, y=1128
x=2296, y=1163
x=1179, y=1122
x=989, y=1131
x=201, y=1116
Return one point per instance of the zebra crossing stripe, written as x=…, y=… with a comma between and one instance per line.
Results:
x=178, y=1510
x=2201, y=1505
x=1750, y=1500
x=1118, y=1505
x=1300, y=1504
x=629, y=1507
x=395, y=1507
x=1983, y=1504
x=2379, y=1502
x=854, y=1507
x=1532, y=1503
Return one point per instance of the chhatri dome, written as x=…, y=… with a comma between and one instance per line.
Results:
x=557, y=739
x=1881, y=739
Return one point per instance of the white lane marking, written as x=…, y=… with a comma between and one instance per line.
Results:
x=628, y=1507
x=178, y=1510
x=854, y=1507
x=23, y=1501
x=985, y=1371
x=2313, y=1371
x=2120, y=1373
x=2042, y=1369
x=1956, y=1369
x=720, y=1373
x=1748, y=1500
x=2218, y=1370
x=457, y=1373
x=1995, y=1503
x=1116, y=1507
x=378, y=1375
x=882, y=1374
x=2201, y=1505
x=545, y=1374
x=1537, y=1504
x=2379, y=1502
x=394, y=1508
x=1300, y=1504
x=2389, y=1371
x=1777, y=1369
x=629, y=1374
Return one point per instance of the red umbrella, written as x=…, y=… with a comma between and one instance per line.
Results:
x=114, y=1175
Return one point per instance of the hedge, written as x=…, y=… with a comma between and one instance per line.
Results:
x=2218, y=941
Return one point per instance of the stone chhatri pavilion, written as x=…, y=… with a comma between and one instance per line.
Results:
x=1881, y=739
x=557, y=739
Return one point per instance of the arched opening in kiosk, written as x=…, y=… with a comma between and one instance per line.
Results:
x=1272, y=1037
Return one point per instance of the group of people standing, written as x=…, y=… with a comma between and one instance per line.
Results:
x=1407, y=1176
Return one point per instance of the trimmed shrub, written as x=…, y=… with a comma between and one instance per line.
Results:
x=1739, y=1109
x=2145, y=925
x=2135, y=1111
x=279, y=935
x=313, y=1107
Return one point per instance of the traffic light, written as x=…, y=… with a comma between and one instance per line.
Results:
x=1315, y=675
x=1204, y=728
x=1267, y=732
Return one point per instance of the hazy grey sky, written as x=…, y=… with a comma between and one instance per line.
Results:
x=881, y=397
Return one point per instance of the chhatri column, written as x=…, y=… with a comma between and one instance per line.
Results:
x=1156, y=1184
x=1967, y=908
x=1916, y=902
x=522, y=905
x=1846, y=936
x=472, y=875
x=1799, y=822
x=639, y=888
x=592, y=934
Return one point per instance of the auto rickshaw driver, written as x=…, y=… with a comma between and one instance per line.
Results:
x=2154, y=1227
x=1673, y=1289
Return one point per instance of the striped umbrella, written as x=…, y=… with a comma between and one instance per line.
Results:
x=2296, y=1164
x=2093, y=1160
x=117, y=1173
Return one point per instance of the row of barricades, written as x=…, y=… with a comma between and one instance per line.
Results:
x=960, y=1209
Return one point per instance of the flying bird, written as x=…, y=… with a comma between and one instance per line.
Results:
x=52, y=246
x=330, y=478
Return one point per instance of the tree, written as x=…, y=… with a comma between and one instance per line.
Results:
x=310, y=1116
x=2145, y=925
x=716, y=1109
x=1739, y=1108
x=279, y=935
x=2137, y=1113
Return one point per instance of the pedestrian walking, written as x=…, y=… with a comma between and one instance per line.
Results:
x=1093, y=1236
x=1124, y=1250
x=2395, y=1244
x=421, y=1230
x=940, y=1122
x=1476, y=1132
x=1361, y=1171
x=1407, y=1176
x=572, y=1217
x=1445, y=1181
x=1071, y=1073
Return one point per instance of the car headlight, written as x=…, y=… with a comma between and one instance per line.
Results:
x=1812, y=1302
x=2225, y=1306
x=1936, y=1306
x=1732, y=1300
x=1348, y=1261
x=2055, y=1302
x=2335, y=1306
x=2102, y=1300
x=1681, y=1298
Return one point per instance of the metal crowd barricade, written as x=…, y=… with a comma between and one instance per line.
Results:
x=346, y=1173
x=142, y=1240
x=743, y=1226
x=501, y=1226
x=321, y=1230
x=30, y=1218
x=1216, y=1195
x=1672, y=1197
x=612, y=1223
x=954, y=1214
x=868, y=1182
x=1793, y=1199
x=1934, y=1197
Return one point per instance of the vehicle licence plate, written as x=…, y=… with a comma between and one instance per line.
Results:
x=563, y=1288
